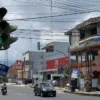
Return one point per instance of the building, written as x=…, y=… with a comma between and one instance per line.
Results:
x=85, y=47
x=12, y=73
x=39, y=60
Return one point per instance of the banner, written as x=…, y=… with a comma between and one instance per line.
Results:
x=3, y=70
x=75, y=74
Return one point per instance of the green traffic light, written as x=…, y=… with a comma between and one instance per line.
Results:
x=1, y=40
x=5, y=29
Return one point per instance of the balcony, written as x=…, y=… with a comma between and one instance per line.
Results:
x=92, y=41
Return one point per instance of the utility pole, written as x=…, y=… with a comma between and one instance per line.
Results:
x=69, y=65
x=22, y=70
x=32, y=63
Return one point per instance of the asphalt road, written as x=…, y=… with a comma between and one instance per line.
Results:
x=25, y=93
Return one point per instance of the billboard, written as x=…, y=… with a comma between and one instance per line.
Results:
x=3, y=70
x=19, y=64
x=57, y=63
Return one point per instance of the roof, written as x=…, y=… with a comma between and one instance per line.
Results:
x=84, y=24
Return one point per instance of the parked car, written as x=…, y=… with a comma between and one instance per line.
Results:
x=44, y=89
x=27, y=81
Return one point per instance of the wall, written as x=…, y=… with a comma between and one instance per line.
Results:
x=61, y=46
x=25, y=74
x=12, y=73
x=53, y=64
x=75, y=36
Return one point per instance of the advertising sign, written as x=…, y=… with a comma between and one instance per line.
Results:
x=82, y=82
x=19, y=64
x=3, y=70
x=75, y=73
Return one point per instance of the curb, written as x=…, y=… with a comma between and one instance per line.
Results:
x=85, y=94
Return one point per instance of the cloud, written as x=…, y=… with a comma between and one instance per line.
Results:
x=17, y=9
x=91, y=15
x=13, y=16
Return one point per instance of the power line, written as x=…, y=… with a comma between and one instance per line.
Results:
x=57, y=15
x=61, y=7
x=40, y=38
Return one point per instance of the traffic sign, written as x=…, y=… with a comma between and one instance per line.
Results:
x=3, y=70
x=19, y=64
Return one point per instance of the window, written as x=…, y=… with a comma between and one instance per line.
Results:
x=45, y=84
x=82, y=34
x=94, y=53
x=93, y=31
x=49, y=49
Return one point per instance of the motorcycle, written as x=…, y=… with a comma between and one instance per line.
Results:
x=3, y=90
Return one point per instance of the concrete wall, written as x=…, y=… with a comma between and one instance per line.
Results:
x=75, y=36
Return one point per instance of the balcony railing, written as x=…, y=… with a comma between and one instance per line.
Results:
x=87, y=42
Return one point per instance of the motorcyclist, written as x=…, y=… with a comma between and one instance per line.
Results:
x=4, y=86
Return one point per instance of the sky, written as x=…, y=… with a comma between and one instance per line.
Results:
x=33, y=18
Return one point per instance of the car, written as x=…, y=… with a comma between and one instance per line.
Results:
x=43, y=89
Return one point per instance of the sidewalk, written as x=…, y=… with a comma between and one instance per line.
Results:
x=95, y=93
x=21, y=85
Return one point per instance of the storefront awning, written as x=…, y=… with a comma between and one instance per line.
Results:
x=49, y=70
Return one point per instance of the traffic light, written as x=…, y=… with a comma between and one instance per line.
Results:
x=3, y=12
x=38, y=44
x=5, y=30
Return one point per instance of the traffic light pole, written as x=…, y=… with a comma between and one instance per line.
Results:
x=22, y=74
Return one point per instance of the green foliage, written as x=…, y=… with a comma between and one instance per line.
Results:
x=67, y=70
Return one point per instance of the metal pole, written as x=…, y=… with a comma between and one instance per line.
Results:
x=69, y=66
x=32, y=72
x=22, y=70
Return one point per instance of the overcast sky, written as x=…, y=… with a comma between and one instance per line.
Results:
x=35, y=21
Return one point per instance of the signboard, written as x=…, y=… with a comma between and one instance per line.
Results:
x=75, y=74
x=59, y=62
x=82, y=83
x=94, y=83
x=19, y=64
x=3, y=70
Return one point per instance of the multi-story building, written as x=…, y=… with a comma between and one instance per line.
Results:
x=53, y=50
x=85, y=46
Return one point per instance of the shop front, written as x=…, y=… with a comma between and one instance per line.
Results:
x=87, y=62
